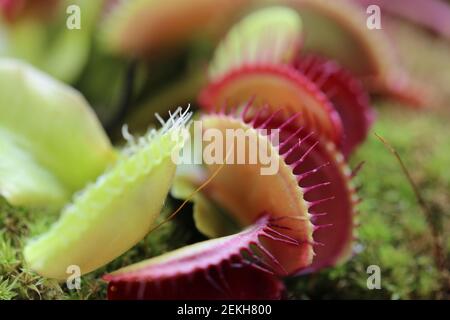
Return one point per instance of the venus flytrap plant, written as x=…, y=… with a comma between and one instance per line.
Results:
x=261, y=228
x=347, y=94
x=366, y=53
x=313, y=178
x=312, y=186
x=51, y=142
x=111, y=215
x=23, y=181
x=270, y=35
x=273, y=86
x=288, y=217
x=224, y=268
x=334, y=103
x=259, y=68
x=208, y=217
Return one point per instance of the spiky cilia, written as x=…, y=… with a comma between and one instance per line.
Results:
x=311, y=166
x=346, y=93
x=234, y=267
x=338, y=30
x=111, y=215
x=275, y=86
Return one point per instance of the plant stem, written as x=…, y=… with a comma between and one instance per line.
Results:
x=438, y=247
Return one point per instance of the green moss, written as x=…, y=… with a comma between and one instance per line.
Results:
x=16, y=281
